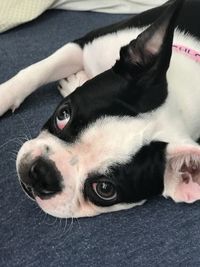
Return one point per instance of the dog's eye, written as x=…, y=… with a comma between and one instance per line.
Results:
x=105, y=190
x=62, y=117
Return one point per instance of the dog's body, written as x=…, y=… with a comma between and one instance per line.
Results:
x=129, y=131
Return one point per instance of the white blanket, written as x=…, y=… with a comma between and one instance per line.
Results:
x=16, y=12
x=109, y=6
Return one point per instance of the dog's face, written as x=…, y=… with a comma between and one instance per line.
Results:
x=87, y=161
x=97, y=152
x=91, y=155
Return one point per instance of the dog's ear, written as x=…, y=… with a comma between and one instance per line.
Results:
x=182, y=173
x=153, y=47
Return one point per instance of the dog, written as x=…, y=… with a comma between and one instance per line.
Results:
x=128, y=125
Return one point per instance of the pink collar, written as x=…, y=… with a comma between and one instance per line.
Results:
x=193, y=54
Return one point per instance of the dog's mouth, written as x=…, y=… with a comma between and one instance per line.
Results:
x=32, y=194
x=28, y=190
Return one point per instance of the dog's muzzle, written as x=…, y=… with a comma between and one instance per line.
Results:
x=40, y=177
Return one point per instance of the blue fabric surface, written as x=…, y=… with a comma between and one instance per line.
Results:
x=159, y=233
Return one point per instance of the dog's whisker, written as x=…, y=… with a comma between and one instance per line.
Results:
x=14, y=153
x=70, y=226
x=60, y=222
x=13, y=159
x=52, y=223
x=65, y=225
x=39, y=210
x=44, y=218
x=57, y=234
x=39, y=219
x=65, y=235
x=27, y=138
x=15, y=139
x=18, y=140
x=26, y=126
x=78, y=222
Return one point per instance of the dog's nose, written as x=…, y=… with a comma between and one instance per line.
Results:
x=43, y=177
x=40, y=171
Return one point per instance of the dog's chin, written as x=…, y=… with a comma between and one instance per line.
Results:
x=28, y=191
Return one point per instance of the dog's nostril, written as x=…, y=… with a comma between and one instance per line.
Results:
x=35, y=171
x=41, y=171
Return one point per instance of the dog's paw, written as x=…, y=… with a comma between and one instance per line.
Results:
x=10, y=97
x=68, y=85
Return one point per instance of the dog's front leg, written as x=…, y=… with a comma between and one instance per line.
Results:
x=63, y=63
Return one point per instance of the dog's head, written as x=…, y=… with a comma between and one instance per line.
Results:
x=99, y=151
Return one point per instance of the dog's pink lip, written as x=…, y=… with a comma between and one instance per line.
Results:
x=41, y=202
x=41, y=198
x=38, y=199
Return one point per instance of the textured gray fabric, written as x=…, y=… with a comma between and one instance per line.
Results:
x=160, y=233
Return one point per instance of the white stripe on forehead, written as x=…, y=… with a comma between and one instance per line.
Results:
x=110, y=140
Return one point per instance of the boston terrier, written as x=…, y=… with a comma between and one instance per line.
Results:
x=128, y=126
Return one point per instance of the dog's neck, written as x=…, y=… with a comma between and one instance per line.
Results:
x=193, y=54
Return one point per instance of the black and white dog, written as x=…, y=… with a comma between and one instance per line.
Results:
x=129, y=130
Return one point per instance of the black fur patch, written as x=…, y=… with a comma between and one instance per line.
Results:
x=139, y=179
x=102, y=96
x=108, y=94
